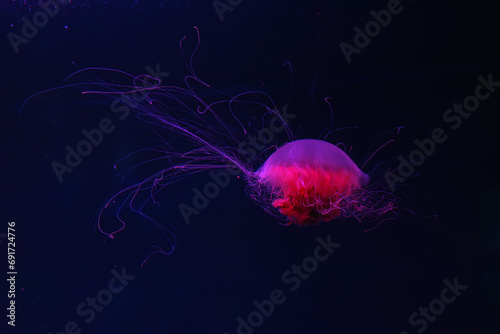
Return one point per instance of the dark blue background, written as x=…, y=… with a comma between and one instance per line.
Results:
x=428, y=58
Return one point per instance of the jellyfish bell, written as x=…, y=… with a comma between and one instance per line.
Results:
x=311, y=180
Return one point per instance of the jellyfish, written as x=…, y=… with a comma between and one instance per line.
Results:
x=299, y=181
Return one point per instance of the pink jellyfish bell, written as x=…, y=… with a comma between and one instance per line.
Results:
x=312, y=181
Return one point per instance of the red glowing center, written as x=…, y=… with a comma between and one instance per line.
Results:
x=311, y=180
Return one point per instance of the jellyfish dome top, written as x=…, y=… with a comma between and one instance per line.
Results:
x=312, y=181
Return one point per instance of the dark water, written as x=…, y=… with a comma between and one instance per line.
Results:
x=232, y=258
